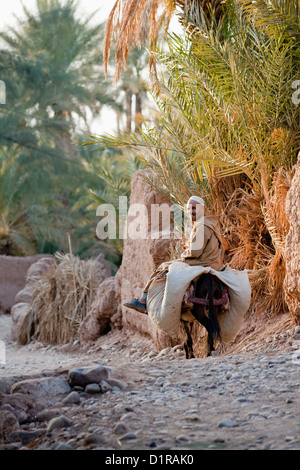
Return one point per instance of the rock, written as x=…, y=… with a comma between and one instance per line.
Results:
x=6, y=383
x=59, y=423
x=267, y=446
x=105, y=386
x=128, y=415
x=18, y=314
x=13, y=271
x=8, y=423
x=47, y=415
x=93, y=439
x=61, y=446
x=37, y=270
x=87, y=375
x=182, y=438
x=219, y=440
x=152, y=354
x=140, y=258
x=164, y=351
x=72, y=399
x=228, y=423
x=23, y=298
x=21, y=416
x=45, y=389
x=152, y=444
x=25, y=436
x=11, y=446
x=25, y=295
x=92, y=388
x=7, y=407
x=116, y=383
x=128, y=437
x=23, y=405
x=193, y=417
x=121, y=428
x=292, y=252
x=98, y=320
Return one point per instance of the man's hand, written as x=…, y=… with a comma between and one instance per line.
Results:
x=184, y=243
x=186, y=253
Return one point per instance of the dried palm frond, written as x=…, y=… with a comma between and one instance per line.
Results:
x=277, y=223
x=138, y=22
x=133, y=21
x=61, y=300
x=275, y=218
x=253, y=241
x=256, y=231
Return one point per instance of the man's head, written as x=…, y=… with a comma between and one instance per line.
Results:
x=195, y=207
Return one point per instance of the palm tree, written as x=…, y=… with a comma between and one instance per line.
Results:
x=50, y=65
x=31, y=220
x=132, y=84
x=59, y=52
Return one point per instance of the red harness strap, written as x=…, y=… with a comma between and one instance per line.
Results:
x=222, y=301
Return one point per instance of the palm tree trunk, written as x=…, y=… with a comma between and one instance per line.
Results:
x=138, y=112
x=129, y=110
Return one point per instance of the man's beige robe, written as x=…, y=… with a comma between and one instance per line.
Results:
x=210, y=254
x=211, y=251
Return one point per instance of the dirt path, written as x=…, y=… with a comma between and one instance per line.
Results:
x=243, y=400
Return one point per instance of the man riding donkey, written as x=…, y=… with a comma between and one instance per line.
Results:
x=208, y=253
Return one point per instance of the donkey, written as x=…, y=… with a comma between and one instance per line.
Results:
x=209, y=296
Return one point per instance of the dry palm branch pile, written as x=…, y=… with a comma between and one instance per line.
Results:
x=255, y=232
x=61, y=300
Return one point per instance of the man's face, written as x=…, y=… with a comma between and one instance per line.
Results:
x=195, y=210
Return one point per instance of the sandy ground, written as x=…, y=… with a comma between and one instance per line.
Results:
x=35, y=357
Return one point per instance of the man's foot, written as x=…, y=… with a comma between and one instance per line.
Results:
x=136, y=305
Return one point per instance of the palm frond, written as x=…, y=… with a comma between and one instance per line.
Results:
x=274, y=15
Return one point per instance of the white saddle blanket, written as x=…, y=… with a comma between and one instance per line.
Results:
x=165, y=298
